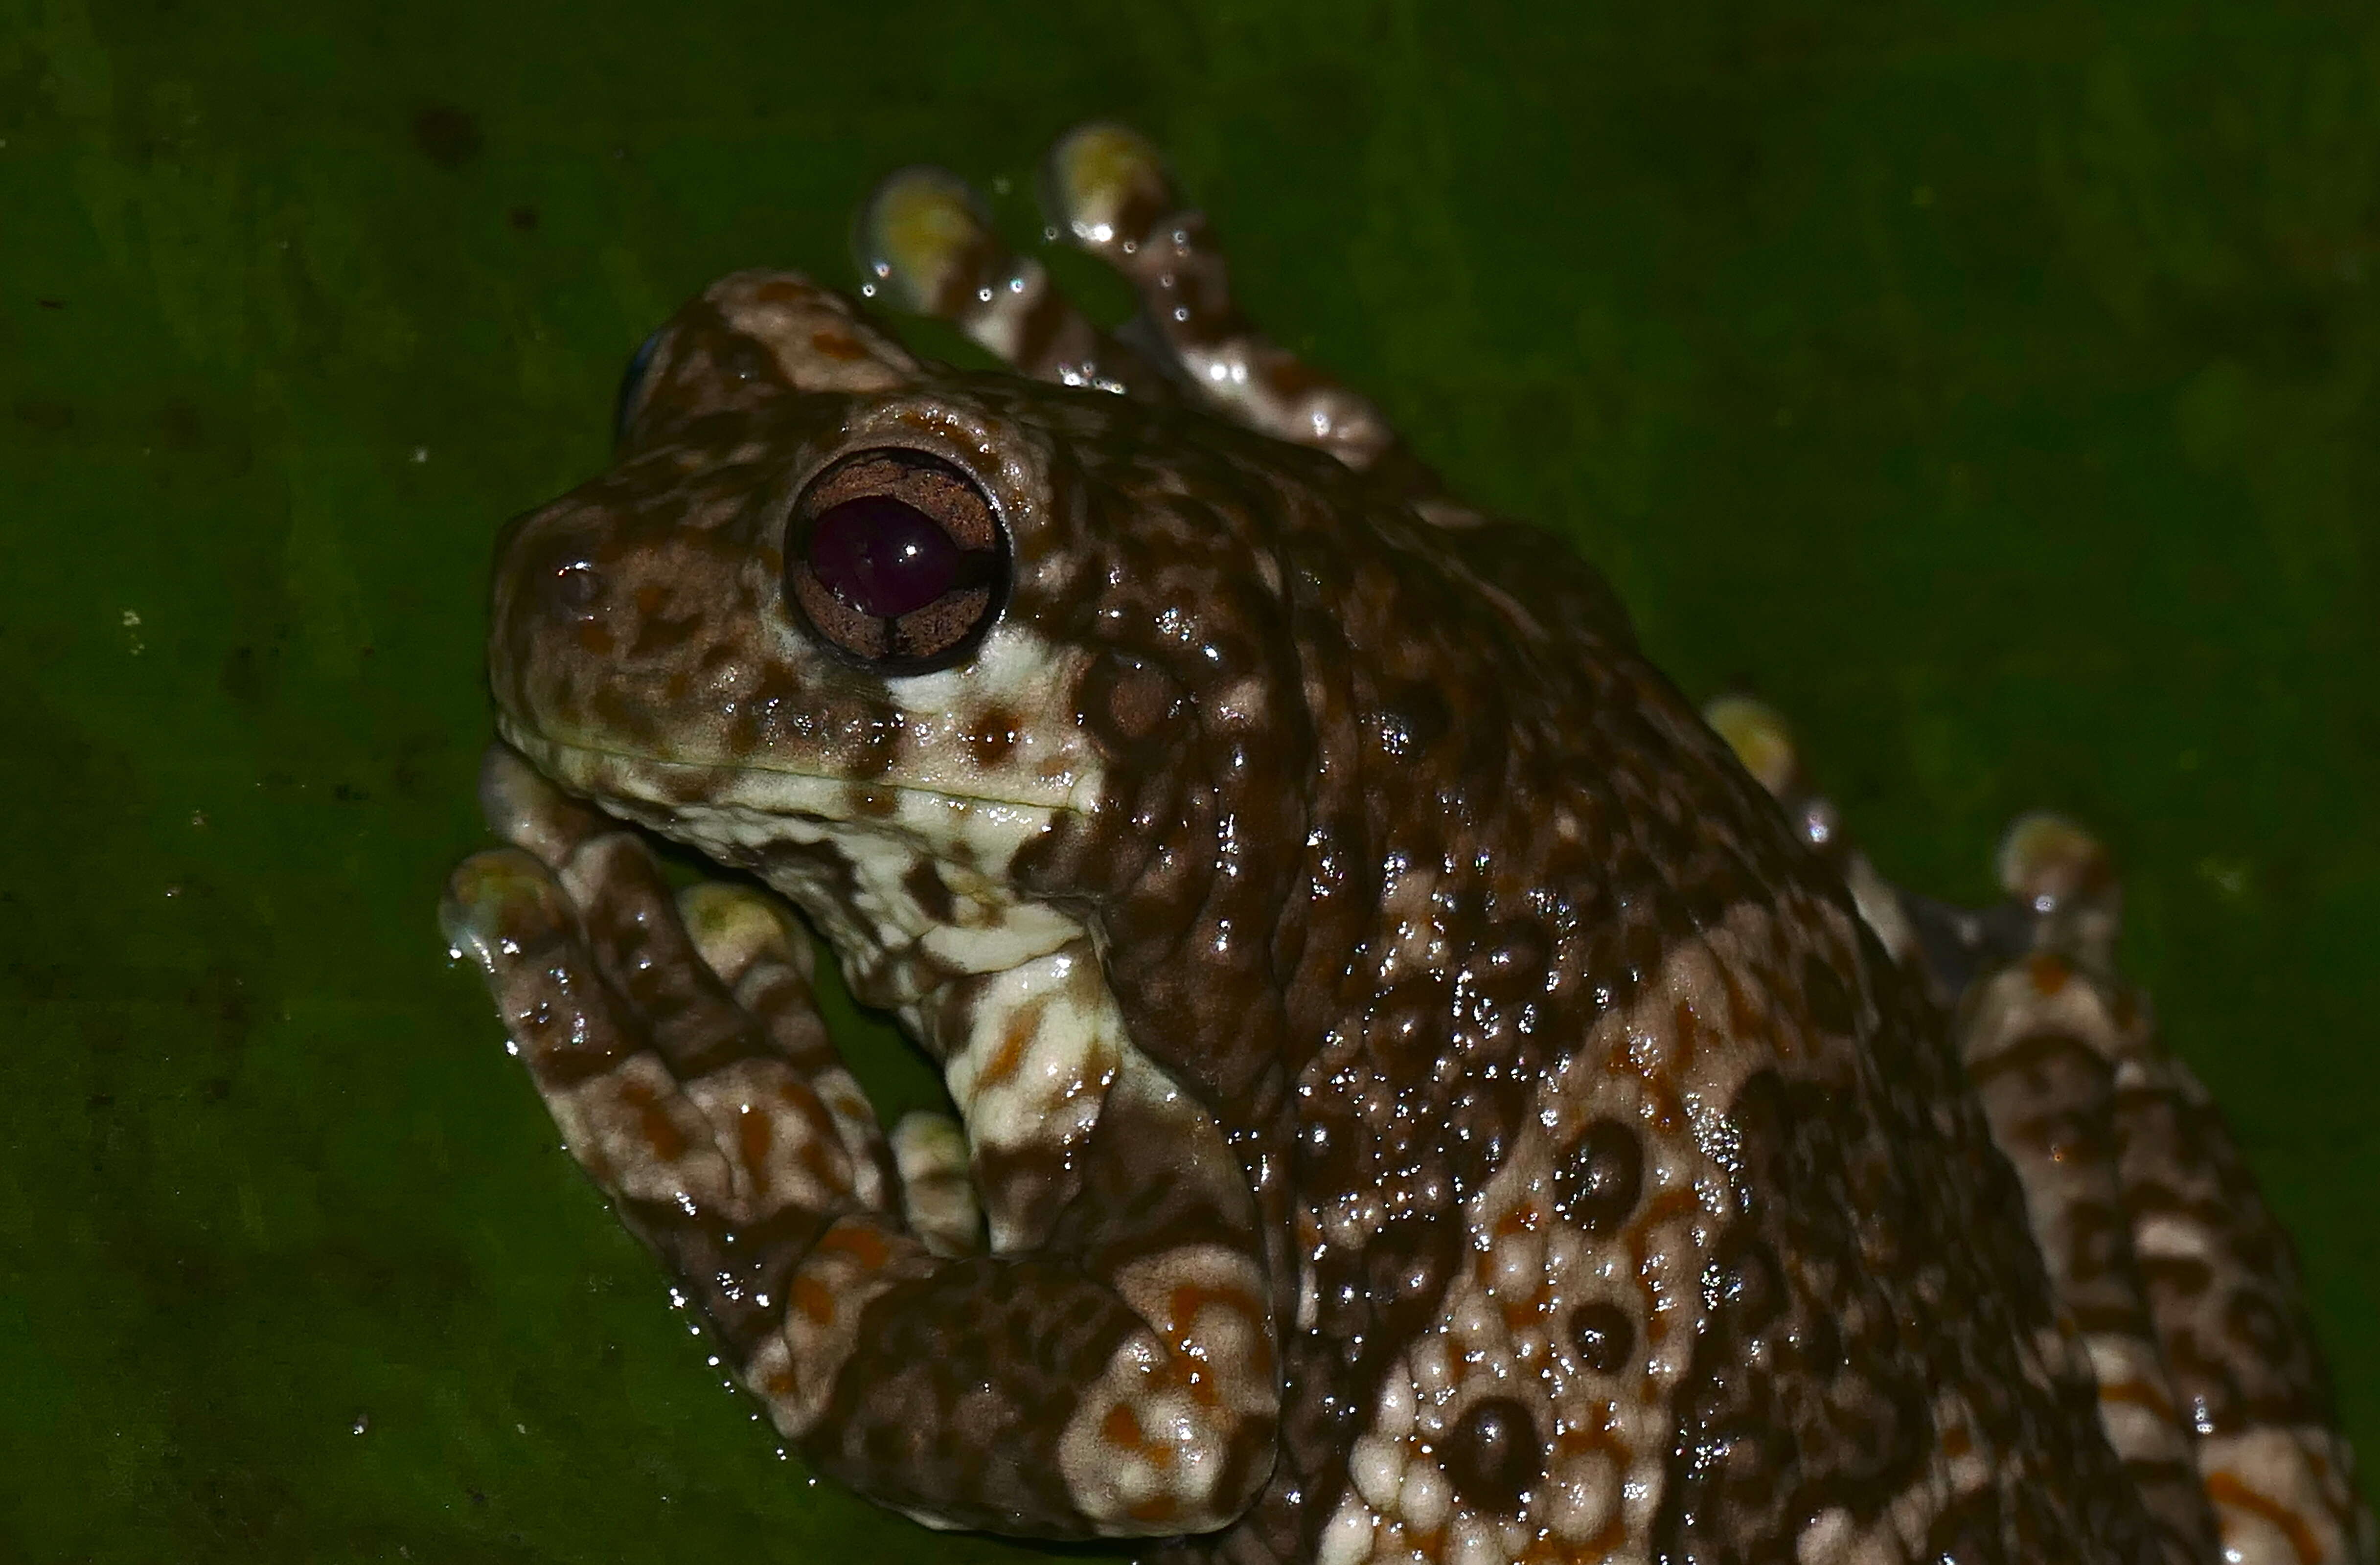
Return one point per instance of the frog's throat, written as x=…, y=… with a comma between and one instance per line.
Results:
x=913, y=886
x=917, y=896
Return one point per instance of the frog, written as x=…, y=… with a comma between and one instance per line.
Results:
x=1420, y=1089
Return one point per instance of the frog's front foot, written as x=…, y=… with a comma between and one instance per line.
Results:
x=1119, y=1381
x=676, y=1042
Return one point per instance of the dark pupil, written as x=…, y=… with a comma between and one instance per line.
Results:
x=882, y=557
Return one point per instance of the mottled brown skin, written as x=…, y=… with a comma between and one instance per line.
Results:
x=1383, y=838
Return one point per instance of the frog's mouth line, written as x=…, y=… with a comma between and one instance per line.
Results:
x=545, y=747
x=900, y=936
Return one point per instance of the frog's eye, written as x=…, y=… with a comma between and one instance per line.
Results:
x=632, y=386
x=896, y=559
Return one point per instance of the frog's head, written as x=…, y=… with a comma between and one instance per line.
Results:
x=965, y=666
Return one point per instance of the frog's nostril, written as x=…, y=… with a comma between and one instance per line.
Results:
x=882, y=557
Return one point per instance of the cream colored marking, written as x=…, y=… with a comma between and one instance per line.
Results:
x=2008, y=1009
x=798, y=1029
x=1182, y=1386
x=793, y=1371
x=804, y=1162
x=1018, y=672
x=734, y=928
x=937, y=1197
x=610, y=1122
x=1879, y=905
x=1053, y=764
x=1825, y=1539
x=1043, y=1044
x=880, y=931
x=2137, y=1431
x=789, y=326
x=1499, y=1332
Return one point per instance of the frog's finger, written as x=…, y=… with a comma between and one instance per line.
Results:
x=527, y=811
x=925, y=244
x=730, y=1175
x=503, y=910
x=783, y=1145
x=616, y=1102
x=735, y=927
x=750, y=940
x=1104, y=188
x=937, y=1195
x=632, y=926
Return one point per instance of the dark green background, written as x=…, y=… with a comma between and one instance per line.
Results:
x=1994, y=387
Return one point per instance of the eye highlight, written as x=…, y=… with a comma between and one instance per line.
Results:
x=895, y=559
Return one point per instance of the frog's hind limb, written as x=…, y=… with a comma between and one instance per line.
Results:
x=2213, y=1265
x=1121, y=1377
x=926, y=244
x=1105, y=189
x=2178, y=1282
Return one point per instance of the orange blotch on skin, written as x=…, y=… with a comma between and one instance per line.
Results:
x=1157, y=1508
x=2047, y=971
x=1690, y=1033
x=821, y=1167
x=2139, y=1393
x=754, y=1135
x=661, y=1132
x=1740, y=1018
x=840, y=346
x=2224, y=1488
x=1183, y=1307
x=860, y=1242
x=1013, y=1040
x=1121, y=1429
x=811, y=1297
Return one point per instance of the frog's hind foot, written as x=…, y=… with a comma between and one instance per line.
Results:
x=2181, y=1282
x=1940, y=945
x=926, y=245
x=1105, y=189
x=2178, y=1285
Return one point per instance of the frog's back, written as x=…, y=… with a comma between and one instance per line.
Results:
x=1649, y=1211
